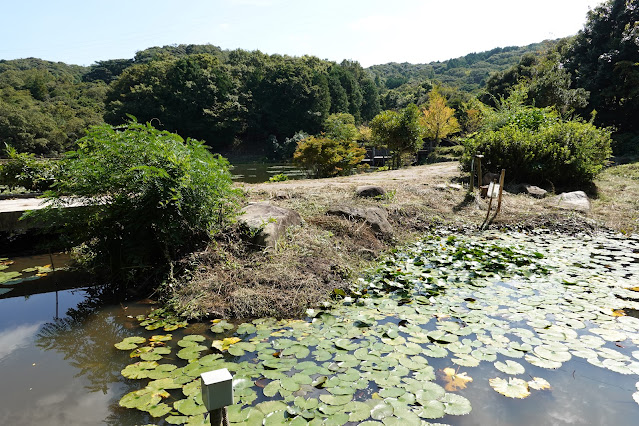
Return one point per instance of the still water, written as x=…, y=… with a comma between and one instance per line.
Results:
x=258, y=173
x=58, y=365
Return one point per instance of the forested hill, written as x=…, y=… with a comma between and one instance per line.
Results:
x=468, y=73
x=220, y=96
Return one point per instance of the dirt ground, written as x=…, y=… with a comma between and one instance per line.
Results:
x=231, y=279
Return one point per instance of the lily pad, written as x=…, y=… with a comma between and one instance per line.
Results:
x=510, y=367
x=512, y=388
x=130, y=343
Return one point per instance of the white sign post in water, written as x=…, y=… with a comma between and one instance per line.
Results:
x=217, y=394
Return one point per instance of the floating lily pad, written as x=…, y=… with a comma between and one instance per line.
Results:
x=220, y=326
x=512, y=388
x=456, y=405
x=139, y=370
x=130, y=343
x=538, y=383
x=510, y=367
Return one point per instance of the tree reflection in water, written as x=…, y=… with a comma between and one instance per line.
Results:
x=86, y=336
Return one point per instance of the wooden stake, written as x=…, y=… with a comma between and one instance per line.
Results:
x=472, y=176
x=501, y=189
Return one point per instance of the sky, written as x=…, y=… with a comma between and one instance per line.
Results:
x=369, y=31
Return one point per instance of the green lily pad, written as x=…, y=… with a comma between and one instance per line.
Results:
x=456, y=405
x=222, y=326
x=432, y=410
x=191, y=352
x=510, y=367
x=139, y=370
x=130, y=343
x=512, y=388
x=189, y=407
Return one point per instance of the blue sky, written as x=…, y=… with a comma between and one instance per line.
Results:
x=368, y=31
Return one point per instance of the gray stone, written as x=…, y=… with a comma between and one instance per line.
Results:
x=376, y=217
x=264, y=223
x=370, y=191
x=535, y=191
x=281, y=195
x=576, y=200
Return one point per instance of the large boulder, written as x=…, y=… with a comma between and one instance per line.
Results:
x=264, y=223
x=376, y=217
x=370, y=191
x=576, y=200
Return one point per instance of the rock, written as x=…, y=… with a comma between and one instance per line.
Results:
x=490, y=177
x=370, y=191
x=576, y=200
x=264, y=223
x=441, y=187
x=376, y=217
x=535, y=191
x=281, y=195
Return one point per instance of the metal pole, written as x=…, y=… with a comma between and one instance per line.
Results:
x=218, y=417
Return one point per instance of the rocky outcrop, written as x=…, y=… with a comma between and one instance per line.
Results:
x=376, y=217
x=576, y=200
x=370, y=191
x=263, y=224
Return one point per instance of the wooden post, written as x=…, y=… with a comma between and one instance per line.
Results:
x=492, y=194
x=472, y=176
x=479, y=176
x=501, y=189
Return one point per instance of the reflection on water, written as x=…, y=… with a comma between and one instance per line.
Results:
x=57, y=361
x=258, y=173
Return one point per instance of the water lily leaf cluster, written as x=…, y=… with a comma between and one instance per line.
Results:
x=370, y=358
x=161, y=319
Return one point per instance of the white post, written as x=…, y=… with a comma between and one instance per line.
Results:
x=217, y=393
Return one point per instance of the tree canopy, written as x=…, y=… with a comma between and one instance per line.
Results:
x=603, y=59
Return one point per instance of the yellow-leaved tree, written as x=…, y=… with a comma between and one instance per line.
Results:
x=438, y=120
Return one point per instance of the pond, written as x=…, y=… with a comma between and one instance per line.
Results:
x=261, y=172
x=500, y=329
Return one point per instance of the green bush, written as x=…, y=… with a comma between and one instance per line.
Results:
x=326, y=157
x=281, y=177
x=151, y=194
x=24, y=170
x=571, y=152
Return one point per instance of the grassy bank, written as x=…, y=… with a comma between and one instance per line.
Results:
x=229, y=279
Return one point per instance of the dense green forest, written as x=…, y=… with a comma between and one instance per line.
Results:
x=236, y=100
x=249, y=102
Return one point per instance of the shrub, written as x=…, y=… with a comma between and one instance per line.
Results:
x=281, y=177
x=325, y=157
x=24, y=170
x=151, y=194
x=571, y=152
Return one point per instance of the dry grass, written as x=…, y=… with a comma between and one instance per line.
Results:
x=617, y=203
x=231, y=280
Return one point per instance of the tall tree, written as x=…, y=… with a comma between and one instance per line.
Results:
x=438, y=120
x=604, y=59
x=397, y=131
x=194, y=96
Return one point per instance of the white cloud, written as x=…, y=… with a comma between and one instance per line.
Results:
x=11, y=340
